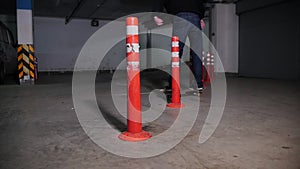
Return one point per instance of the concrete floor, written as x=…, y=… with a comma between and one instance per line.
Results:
x=260, y=128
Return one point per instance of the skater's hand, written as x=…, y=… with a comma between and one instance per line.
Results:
x=202, y=23
x=158, y=21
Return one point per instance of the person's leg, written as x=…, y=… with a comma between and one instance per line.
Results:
x=197, y=68
x=180, y=29
x=195, y=36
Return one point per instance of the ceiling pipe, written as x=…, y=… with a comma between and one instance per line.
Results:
x=68, y=18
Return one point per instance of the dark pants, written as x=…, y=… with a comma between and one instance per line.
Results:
x=188, y=25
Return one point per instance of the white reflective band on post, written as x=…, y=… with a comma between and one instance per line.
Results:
x=208, y=59
x=208, y=54
x=133, y=47
x=175, y=44
x=134, y=65
x=212, y=56
x=175, y=64
x=208, y=63
x=175, y=54
x=212, y=60
x=132, y=30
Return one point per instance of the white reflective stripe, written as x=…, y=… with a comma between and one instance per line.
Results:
x=24, y=26
x=208, y=59
x=132, y=30
x=208, y=54
x=175, y=54
x=212, y=60
x=208, y=63
x=175, y=44
x=212, y=64
x=175, y=64
x=133, y=47
x=212, y=56
x=134, y=65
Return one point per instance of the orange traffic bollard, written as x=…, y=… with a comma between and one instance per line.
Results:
x=134, y=115
x=176, y=103
x=212, y=67
x=208, y=67
x=204, y=73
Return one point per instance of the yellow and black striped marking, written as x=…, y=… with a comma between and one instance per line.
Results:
x=26, y=61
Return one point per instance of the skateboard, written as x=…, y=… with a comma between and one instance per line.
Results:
x=194, y=92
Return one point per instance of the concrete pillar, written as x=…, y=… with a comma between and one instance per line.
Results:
x=26, y=61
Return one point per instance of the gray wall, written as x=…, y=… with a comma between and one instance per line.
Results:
x=57, y=45
x=269, y=39
x=225, y=27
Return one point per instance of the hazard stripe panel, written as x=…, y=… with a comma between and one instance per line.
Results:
x=26, y=61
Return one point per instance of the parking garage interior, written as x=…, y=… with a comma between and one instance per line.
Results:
x=70, y=111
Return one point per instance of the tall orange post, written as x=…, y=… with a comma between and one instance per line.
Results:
x=134, y=114
x=176, y=103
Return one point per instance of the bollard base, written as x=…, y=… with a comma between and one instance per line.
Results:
x=175, y=105
x=134, y=137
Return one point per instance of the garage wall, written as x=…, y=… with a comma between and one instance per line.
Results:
x=57, y=45
x=269, y=39
x=225, y=27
